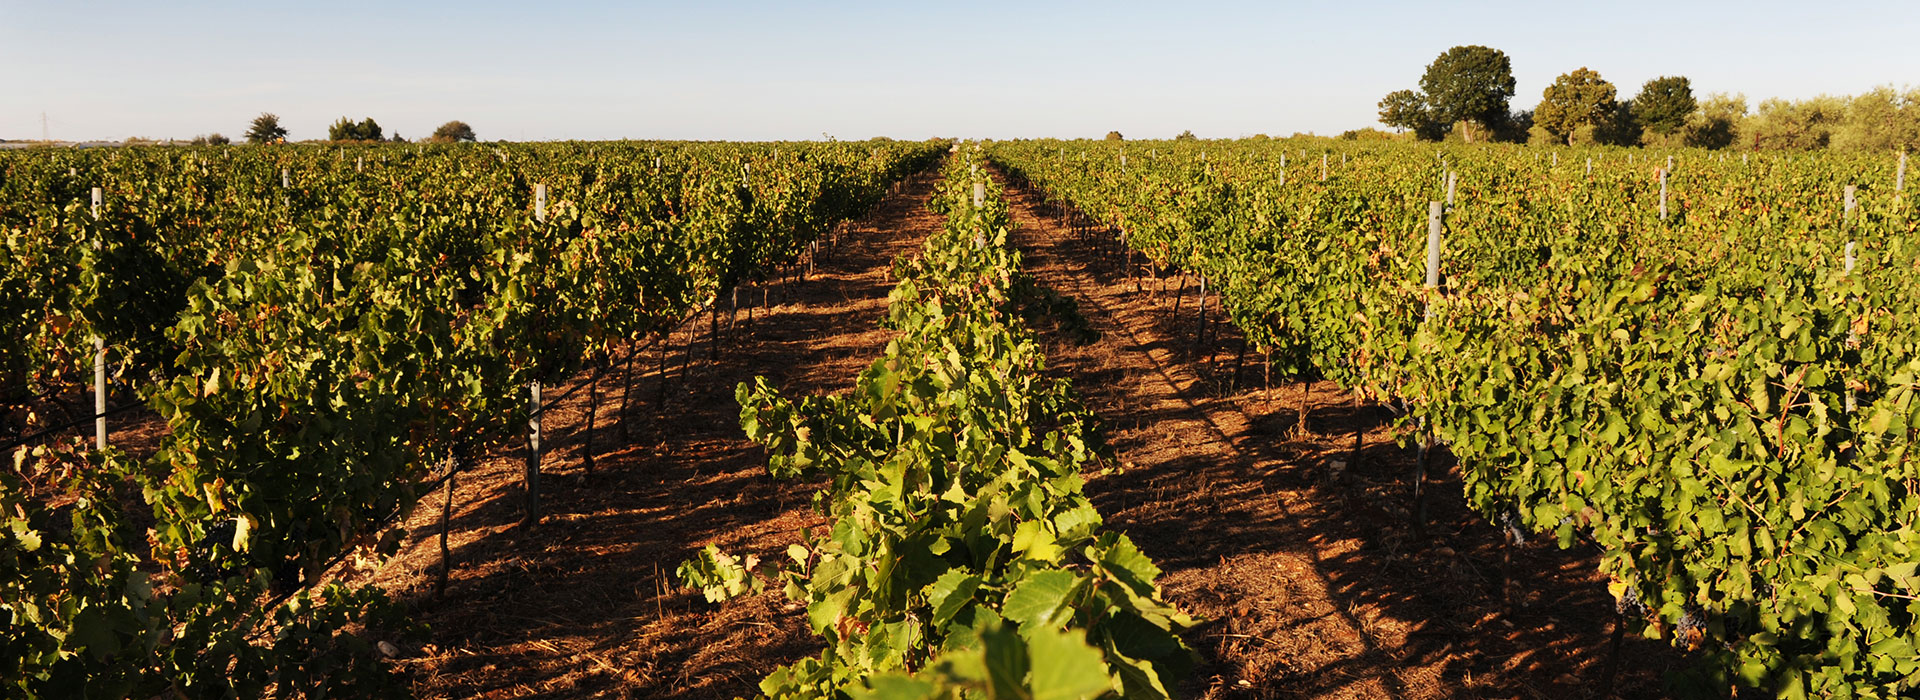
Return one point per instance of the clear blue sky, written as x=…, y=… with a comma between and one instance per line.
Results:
x=750, y=71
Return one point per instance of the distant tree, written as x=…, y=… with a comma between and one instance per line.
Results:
x=1368, y=134
x=453, y=131
x=266, y=129
x=1621, y=128
x=1783, y=124
x=347, y=130
x=1883, y=119
x=1575, y=100
x=1186, y=136
x=1538, y=135
x=1714, y=124
x=1664, y=103
x=1113, y=136
x=1406, y=109
x=1470, y=84
x=214, y=139
x=396, y=138
x=1518, y=127
x=1465, y=87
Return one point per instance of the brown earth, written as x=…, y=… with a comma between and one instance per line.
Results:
x=1310, y=583
x=585, y=604
x=1308, y=571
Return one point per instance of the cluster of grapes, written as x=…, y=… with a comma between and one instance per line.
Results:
x=1510, y=522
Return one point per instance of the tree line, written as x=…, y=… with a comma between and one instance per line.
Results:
x=1466, y=94
x=266, y=129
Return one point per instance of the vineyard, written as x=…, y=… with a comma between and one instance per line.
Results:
x=326, y=338
x=1695, y=372
x=1705, y=368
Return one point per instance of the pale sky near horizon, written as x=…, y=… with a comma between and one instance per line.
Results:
x=764, y=71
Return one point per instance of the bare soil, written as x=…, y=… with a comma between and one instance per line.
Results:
x=1310, y=581
x=585, y=604
x=1303, y=560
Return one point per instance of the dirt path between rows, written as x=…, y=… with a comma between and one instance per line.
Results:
x=585, y=604
x=1312, y=582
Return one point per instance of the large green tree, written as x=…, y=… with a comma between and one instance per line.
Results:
x=1470, y=84
x=1664, y=103
x=348, y=130
x=1883, y=119
x=1715, y=123
x=266, y=129
x=1802, y=125
x=452, y=132
x=1406, y=109
x=1575, y=100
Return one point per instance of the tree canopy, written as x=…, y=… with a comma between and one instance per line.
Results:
x=453, y=131
x=1664, y=103
x=347, y=130
x=1404, y=109
x=1468, y=83
x=1465, y=84
x=1714, y=124
x=1884, y=118
x=266, y=129
x=1113, y=136
x=1577, y=99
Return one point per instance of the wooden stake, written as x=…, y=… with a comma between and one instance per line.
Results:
x=1239, y=361
x=593, y=415
x=1300, y=411
x=533, y=454
x=1178, y=296
x=626, y=391
x=1436, y=228
x=446, y=515
x=1853, y=338
x=713, y=331
x=1613, y=653
x=1663, y=195
x=99, y=360
x=1200, y=326
x=99, y=393
x=1359, y=435
x=660, y=365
